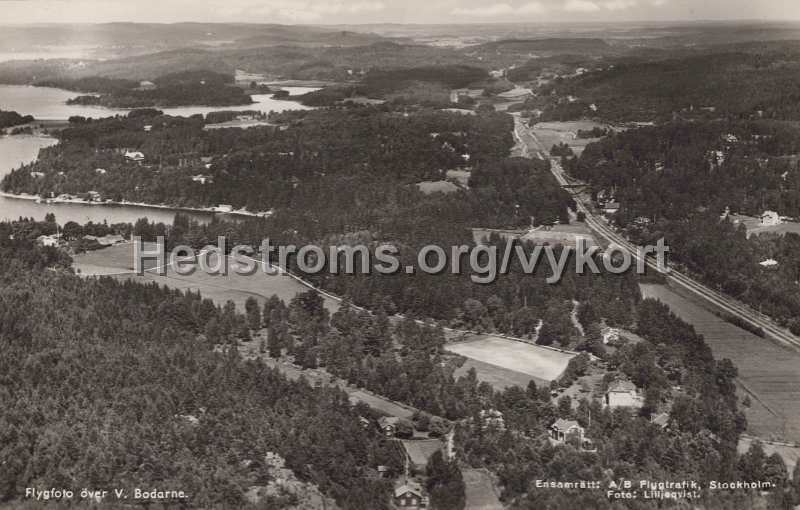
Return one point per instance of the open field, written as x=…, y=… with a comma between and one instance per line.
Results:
x=789, y=454
x=429, y=187
x=768, y=372
x=461, y=175
x=538, y=362
x=480, y=491
x=553, y=133
x=783, y=228
x=118, y=261
x=755, y=227
x=419, y=452
x=565, y=235
x=499, y=377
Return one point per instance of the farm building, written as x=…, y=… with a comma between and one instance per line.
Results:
x=623, y=393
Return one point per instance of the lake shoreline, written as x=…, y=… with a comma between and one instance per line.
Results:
x=143, y=205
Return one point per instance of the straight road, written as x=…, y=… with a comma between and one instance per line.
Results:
x=601, y=228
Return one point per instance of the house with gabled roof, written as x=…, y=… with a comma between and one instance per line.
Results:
x=134, y=156
x=623, y=393
x=562, y=429
x=388, y=425
x=408, y=495
x=662, y=420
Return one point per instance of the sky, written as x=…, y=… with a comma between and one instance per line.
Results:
x=391, y=11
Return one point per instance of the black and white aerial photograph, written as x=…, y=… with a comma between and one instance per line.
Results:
x=400, y=255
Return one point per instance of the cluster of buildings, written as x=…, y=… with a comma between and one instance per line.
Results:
x=621, y=393
x=605, y=199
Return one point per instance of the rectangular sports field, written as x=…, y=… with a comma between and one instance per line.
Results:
x=496, y=356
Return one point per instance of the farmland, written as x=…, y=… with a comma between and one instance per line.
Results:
x=429, y=187
x=769, y=373
x=118, y=261
x=480, y=491
x=789, y=454
x=553, y=133
x=419, y=452
x=499, y=377
x=565, y=235
x=497, y=357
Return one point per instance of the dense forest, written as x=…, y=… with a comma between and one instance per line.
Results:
x=685, y=176
x=187, y=88
x=115, y=384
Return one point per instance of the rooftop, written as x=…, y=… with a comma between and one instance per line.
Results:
x=622, y=386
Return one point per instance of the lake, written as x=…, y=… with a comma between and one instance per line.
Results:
x=46, y=103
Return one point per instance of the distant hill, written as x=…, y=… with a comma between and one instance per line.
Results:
x=508, y=52
x=546, y=47
x=322, y=63
x=111, y=40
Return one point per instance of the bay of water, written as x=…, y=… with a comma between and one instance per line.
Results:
x=46, y=103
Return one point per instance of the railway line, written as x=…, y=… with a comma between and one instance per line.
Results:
x=599, y=226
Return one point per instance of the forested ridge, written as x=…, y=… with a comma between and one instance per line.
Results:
x=731, y=84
